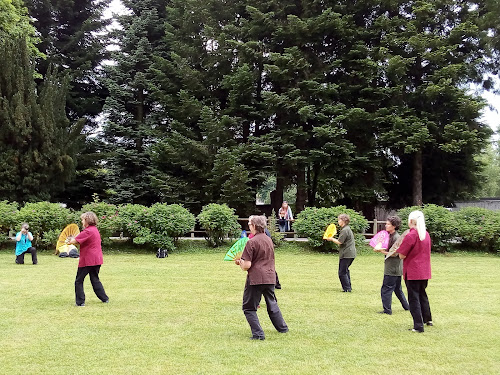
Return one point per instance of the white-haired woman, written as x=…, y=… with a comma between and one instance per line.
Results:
x=415, y=250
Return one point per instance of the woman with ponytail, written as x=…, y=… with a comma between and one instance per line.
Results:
x=415, y=250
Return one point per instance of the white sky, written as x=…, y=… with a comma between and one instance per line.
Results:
x=491, y=114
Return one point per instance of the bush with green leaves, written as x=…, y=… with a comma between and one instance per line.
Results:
x=479, y=227
x=220, y=222
x=8, y=213
x=312, y=223
x=46, y=221
x=107, y=215
x=439, y=221
x=276, y=235
x=159, y=225
x=131, y=217
x=173, y=220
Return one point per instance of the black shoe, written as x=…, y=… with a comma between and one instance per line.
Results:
x=429, y=323
x=80, y=305
x=257, y=338
x=383, y=312
x=107, y=301
x=347, y=291
x=285, y=331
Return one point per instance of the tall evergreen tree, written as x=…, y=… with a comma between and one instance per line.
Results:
x=36, y=138
x=133, y=117
x=72, y=36
x=429, y=121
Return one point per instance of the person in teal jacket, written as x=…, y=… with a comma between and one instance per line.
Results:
x=23, y=245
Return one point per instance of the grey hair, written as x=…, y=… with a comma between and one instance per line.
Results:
x=259, y=223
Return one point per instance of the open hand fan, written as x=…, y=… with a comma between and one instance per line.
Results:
x=380, y=240
x=235, y=251
x=71, y=230
x=330, y=231
x=397, y=244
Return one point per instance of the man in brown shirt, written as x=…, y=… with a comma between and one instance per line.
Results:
x=258, y=260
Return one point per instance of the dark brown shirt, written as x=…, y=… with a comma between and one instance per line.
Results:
x=260, y=251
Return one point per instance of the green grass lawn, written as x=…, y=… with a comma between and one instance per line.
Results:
x=182, y=315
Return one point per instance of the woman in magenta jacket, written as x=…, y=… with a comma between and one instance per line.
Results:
x=90, y=259
x=415, y=250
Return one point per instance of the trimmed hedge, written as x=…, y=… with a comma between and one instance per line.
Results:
x=160, y=225
x=312, y=223
x=440, y=222
x=220, y=222
x=479, y=227
x=46, y=221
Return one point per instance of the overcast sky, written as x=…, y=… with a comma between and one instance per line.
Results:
x=491, y=115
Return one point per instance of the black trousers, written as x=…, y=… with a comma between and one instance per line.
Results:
x=392, y=284
x=419, y=303
x=344, y=274
x=93, y=271
x=32, y=251
x=251, y=299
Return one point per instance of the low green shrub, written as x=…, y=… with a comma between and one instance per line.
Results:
x=8, y=213
x=479, y=227
x=173, y=220
x=107, y=215
x=312, y=223
x=276, y=235
x=131, y=217
x=46, y=221
x=440, y=223
x=159, y=225
x=220, y=222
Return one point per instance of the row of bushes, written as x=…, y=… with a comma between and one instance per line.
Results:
x=160, y=225
x=471, y=227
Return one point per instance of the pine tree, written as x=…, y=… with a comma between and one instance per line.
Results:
x=429, y=121
x=36, y=139
x=72, y=38
x=132, y=114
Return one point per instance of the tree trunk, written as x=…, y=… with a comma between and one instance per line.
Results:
x=300, y=201
x=277, y=194
x=417, y=179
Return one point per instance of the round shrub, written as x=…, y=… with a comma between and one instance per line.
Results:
x=108, y=218
x=440, y=223
x=479, y=227
x=132, y=217
x=312, y=223
x=46, y=221
x=8, y=213
x=220, y=222
x=173, y=220
x=159, y=225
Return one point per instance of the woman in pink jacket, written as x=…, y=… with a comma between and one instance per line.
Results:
x=90, y=259
x=415, y=250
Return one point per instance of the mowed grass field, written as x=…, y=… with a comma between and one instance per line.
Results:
x=182, y=315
